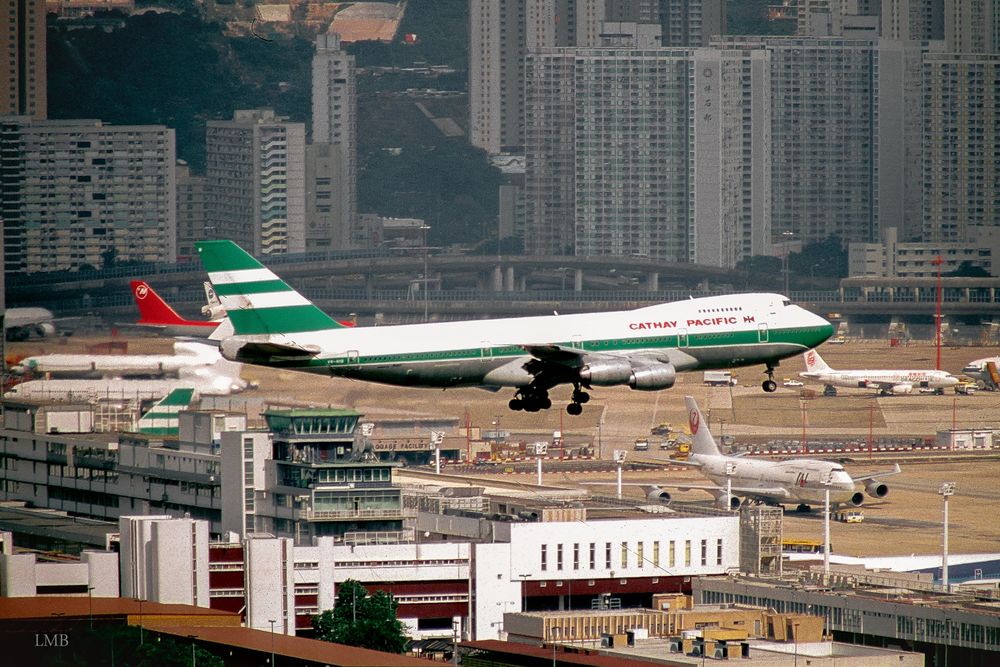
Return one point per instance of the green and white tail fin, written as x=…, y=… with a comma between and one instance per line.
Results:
x=257, y=301
x=162, y=418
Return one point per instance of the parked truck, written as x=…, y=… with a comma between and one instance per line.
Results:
x=719, y=378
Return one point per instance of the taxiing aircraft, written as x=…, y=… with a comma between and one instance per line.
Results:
x=802, y=482
x=156, y=313
x=643, y=348
x=886, y=381
x=23, y=323
x=984, y=371
x=187, y=355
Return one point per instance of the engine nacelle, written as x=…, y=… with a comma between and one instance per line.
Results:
x=727, y=502
x=46, y=329
x=647, y=376
x=902, y=389
x=876, y=489
x=658, y=496
x=857, y=499
x=606, y=372
x=653, y=376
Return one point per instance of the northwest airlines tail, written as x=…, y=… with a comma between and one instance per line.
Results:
x=162, y=418
x=155, y=312
x=257, y=301
x=704, y=443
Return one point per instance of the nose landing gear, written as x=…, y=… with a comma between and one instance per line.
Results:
x=769, y=385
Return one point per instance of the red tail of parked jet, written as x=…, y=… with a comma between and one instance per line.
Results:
x=157, y=313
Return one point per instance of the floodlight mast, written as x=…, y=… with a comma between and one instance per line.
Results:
x=946, y=491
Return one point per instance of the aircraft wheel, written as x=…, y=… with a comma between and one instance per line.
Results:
x=769, y=385
x=580, y=397
x=574, y=409
x=545, y=403
x=515, y=404
x=803, y=508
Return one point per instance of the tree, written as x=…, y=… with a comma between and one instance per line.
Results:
x=360, y=619
x=968, y=270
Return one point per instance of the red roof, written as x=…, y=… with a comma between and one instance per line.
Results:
x=290, y=647
x=70, y=606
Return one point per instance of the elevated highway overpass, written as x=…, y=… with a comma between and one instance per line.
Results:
x=389, y=287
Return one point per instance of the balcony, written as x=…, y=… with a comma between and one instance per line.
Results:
x=353, y=515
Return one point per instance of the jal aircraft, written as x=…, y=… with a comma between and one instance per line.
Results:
x=643, y=348
x=802, y=482
x=886, y=381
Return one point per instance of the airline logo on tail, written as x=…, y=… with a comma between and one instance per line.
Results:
x=810, y=358
x=257, y=300
x=694, y=420
x=141, y=290
x=164, y=417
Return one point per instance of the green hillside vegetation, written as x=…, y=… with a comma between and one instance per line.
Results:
x=180, y=71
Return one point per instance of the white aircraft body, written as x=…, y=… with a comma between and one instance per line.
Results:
x=802, y=482
x=205, y=383
x=188, y=355
x=22, y=323
x=643, y=348
x=886, y=381
x=984, y=370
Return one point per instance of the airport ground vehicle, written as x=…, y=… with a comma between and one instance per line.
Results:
x=719, y=378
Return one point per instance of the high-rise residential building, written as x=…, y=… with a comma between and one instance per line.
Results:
x=972, y=26
x=190, y=211
x=501, y=32
x=81, y=193
x=255, y=181
x=692, y=22
x=659, y=153
x=829, y=126
x=22, y=59
x=961, y=175
x=331, y=171
x=913, y=19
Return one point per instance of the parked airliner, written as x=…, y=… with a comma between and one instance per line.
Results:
x=643, y=348
x=802, y=482
x=886, y=381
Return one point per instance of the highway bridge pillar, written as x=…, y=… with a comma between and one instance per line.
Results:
x=578, y=280
x=653, y=281
x=508, y=279
x=497, y=279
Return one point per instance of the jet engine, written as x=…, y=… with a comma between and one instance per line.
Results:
x=643, y=375
x=46, y=329
x=658, y=496
x=857, y=499
x=876, y=489
x=727, y=502
x=902, y=389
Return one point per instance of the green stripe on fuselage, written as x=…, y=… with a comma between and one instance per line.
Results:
x=225, y=256
x=280, y=319
x=697, y=345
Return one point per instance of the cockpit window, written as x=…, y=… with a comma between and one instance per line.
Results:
x=786, y=302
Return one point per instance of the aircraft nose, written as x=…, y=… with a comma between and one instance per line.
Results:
x=951, y=380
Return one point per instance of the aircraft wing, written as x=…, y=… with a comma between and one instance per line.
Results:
x=884, y=473
x=558, y=354
x=775, y=491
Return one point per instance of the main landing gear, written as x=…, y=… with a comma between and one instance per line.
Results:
x=769, y=384
x=579, y=398
x=533, y=399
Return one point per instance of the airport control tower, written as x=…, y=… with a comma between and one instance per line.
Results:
x=319, y=482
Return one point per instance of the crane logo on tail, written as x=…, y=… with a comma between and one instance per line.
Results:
x=141, y=291
x=694, y=419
